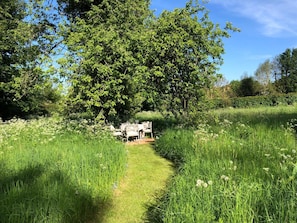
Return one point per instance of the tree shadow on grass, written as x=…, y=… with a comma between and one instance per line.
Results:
x=34, y=195
x=155, y=212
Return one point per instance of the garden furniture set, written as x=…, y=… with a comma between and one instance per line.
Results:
x=133, y=130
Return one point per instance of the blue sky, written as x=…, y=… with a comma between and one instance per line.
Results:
x=268, y=28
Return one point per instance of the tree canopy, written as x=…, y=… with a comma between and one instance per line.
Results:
x=25, y=42
x=105, y=60
x=278, y=74
x=123, y=57
x=285, y=71
x=118, y=56
x=184, y=54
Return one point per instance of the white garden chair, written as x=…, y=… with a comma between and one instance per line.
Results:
x=131, y=131
x=148, y=128
x=116, y=132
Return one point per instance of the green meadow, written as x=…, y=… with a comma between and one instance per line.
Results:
x=236, y=165
x=55, y=171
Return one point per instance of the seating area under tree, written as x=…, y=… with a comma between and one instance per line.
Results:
x=133, y=131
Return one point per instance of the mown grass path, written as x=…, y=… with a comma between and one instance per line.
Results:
x=147, y=174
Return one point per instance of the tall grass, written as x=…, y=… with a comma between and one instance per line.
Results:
x=53, y=172
x=241, y=168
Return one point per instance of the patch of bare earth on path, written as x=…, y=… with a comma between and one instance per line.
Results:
x=141, y=141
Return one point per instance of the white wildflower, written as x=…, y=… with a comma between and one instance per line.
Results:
x=199, y=183
x=225, y=178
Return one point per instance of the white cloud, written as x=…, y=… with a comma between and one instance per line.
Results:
x=277, y=17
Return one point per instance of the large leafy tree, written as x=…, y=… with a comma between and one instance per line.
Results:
x=285, y=71
x=234, y=87
x=105, y=59
x=263, y=75
x=11, y=12
x=121, y=57
x=248, y=87
x=183, y=55
x=25, y=44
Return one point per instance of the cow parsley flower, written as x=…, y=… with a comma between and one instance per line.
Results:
x=225, y=178
x=199, y=183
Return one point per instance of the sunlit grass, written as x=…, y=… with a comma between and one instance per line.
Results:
x=241, y=168
x=51, y=172
x=277, y=115
x=146, y=177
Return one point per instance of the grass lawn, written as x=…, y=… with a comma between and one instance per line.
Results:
x=146, y=177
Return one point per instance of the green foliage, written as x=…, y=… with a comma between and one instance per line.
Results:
x=233, y=88
x=285, y=71
x=248, y=87
x=25, y=44
x=76, y=8
x=185, y=50
x=106, y=71
x=172, y=146
x=263, y=75
x=278, y=75
x=121, y=58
